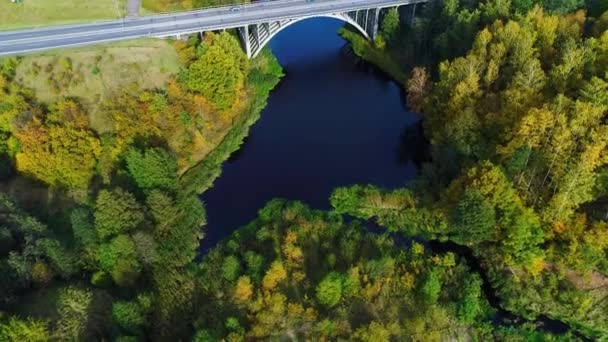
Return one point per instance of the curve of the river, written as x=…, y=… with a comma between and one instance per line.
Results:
x=329, y=123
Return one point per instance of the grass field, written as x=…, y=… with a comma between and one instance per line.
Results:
x=32, y=13
x=93, y=73
x=159, y=6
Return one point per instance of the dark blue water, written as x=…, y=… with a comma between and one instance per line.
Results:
x=329, y=123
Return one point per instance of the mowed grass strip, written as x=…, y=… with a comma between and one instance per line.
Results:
x=92, y=74
x=34, y=13
x=160, y=6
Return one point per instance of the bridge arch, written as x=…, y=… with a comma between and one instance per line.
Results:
x=275, y=28
x=256, y=36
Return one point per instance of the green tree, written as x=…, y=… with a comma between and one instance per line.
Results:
x=374, y=332
x=219, y=73
x=475, y=219
x=177, y=231
x=390, y=25
x=456, y=28
x=27, y=241
x=522, y=6
x=431, y=287
x=73, y=307
x=231, y=268
x=146, y=248
x=563, y=6
x=118, y=257
x=329, y=290
x=129, y=315
x=203, y=336
x=28, y=330
x=472, y=303
x=174, y=299
x=152, y=168
x=60, y=256
x=83, y=226
x=116, y=212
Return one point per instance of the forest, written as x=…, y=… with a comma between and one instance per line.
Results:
x=518, y=163
x=100, y=222
x=108, y=242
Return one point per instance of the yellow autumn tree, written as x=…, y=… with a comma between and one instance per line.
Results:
x=219, y=73
x=59, y=148
x=274, y=275
x=291, y=251
x=243, y=289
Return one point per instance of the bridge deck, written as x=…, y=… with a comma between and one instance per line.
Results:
x=23, y=41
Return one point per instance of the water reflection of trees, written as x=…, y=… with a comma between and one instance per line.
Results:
x=413, y=145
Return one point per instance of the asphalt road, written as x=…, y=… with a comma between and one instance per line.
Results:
x=45, y=38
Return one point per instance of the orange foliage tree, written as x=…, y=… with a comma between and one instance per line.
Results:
x=58, y=148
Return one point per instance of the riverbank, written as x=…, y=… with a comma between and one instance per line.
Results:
x=533, y=289
x=370, y=53
x=264, y=76
x=330, y=122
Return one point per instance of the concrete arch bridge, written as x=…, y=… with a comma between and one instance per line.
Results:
x=256, y=23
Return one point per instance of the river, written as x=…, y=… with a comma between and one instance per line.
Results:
x=330, y=122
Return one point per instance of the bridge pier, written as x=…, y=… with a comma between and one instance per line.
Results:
x=244, y=33
x=375, y=23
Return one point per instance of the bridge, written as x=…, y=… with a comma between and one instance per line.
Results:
x=256, y=23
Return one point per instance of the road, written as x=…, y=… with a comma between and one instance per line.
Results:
x=51, y=37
